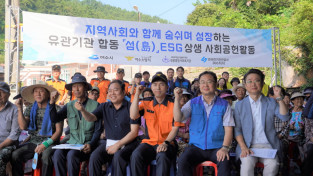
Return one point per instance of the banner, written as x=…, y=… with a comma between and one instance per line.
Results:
x=74, y=39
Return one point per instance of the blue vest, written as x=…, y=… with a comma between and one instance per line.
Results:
x=206, y=130
x=184, y=84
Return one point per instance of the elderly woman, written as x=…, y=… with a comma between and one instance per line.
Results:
x=254, y=129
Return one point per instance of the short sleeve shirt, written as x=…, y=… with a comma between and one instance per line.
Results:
x=159, y=119
x=116, y=122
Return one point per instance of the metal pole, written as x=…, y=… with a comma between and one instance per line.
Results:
x=280, y=74
x=275, y=66
x=18, y=52
x=9, y=47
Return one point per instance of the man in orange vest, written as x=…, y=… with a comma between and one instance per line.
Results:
x=101, y=83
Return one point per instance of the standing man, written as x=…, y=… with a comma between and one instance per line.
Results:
x=255, y=124
x=225, y=75
x=9, y=129
x=146, y=77
x=81, y=131
x=120, y=132
x=132, y=89
x=170, y=81
x=101, y=83
x=120, y=76
x=58, y=84
x=43, y=133
x=181, y=82
x=210, y=130
x=161, y=129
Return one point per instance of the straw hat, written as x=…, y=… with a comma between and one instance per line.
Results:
x=27, y=93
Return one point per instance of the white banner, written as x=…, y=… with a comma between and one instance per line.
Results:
x=73, y=39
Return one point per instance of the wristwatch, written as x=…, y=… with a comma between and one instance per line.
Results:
x=279, y=99
x=167, y=142
x=226, y=147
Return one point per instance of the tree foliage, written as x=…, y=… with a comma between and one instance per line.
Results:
x=293, y=17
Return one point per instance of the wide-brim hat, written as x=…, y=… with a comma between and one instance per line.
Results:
x=27, y=92
x=100, y=69
x=78, y=79
x=239, y=86
x=297, y=94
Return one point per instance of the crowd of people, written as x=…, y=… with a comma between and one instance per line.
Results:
x=170, y=121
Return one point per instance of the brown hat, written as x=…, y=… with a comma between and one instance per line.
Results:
x=27, y=92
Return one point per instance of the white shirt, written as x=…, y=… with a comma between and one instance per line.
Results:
x=258, y=136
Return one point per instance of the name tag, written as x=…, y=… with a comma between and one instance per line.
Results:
x=148, y=110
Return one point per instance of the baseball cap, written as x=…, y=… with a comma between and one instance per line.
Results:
x=120, y=70
x=159, y=77
x=138, y=75
x=5, y=87
x=56, y=67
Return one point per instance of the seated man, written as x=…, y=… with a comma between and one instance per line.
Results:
x=81, y=131
x=42, y=132
x=210, y=130
x=160, y=133
x=120, y=131
x=9, y=130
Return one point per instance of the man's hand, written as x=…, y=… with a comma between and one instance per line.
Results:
x=139, y=89
x=113, y=148
x=79, y=106
x=87, y=148
x=222, y=154
x=245, y=152
x=133, y=82
x=161, y=148
x=95, y=84
x=277, y=92
x=53, y=97
x=178, y=92
x=61, y=102
x=40, y=148
x=19, y=103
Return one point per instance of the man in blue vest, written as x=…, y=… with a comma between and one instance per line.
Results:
x=180, y=81
x=81, y=131
x=210, y=130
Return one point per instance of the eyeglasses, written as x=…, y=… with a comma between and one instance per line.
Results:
x=256, y=82
x=207, y=82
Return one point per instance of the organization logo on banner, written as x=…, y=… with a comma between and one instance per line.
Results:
x=165, y=60
x=94, y=57
x=129, y=58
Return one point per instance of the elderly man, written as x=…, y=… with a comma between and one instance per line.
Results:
x=210, y=129
x=161, y=127
x=255, y=125
x=81, y=131
x=120, y=131
x=9, y=129
x=42, y=132
x=101, y=82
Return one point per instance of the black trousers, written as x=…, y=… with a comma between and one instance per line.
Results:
x=192, y=156
x=120, y=159
x=145, y=153
x=26, y=152
x=308, y=161
x=69, y=158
